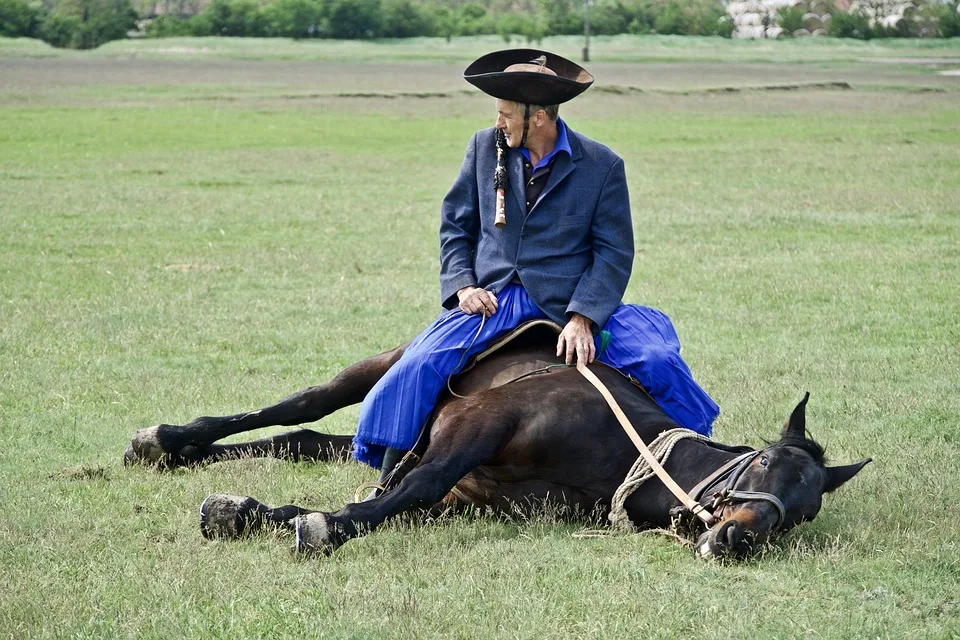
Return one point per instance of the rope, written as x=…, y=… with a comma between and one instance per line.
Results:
x=365, y=487
x=483, y=320
x=661, y=448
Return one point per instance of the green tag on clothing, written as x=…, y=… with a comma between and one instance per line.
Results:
x=605, y=337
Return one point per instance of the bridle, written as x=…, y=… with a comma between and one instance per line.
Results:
x=719, y=489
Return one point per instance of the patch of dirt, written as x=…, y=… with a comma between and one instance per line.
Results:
x=81, y=474
x=912, y=60
x=306, y=79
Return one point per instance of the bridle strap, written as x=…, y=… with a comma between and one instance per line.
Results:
x=718, y=475
x=695, y=507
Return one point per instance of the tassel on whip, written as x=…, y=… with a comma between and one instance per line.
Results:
x=500, y=180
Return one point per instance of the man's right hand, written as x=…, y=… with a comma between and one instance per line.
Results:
x=476, y=300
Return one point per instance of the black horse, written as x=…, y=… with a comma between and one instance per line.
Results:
x=521, y=429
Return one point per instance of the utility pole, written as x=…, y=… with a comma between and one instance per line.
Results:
x=586, y=30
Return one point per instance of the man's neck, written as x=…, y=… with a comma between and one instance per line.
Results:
x=541, y=144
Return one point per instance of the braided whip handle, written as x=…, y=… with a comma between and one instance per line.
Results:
x=500, y=180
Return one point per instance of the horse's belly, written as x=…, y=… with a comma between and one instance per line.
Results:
x=481, y=488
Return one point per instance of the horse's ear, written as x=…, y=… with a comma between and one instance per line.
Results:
x=796, y=425
x=836, y=476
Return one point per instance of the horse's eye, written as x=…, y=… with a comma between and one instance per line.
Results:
x=764, y=461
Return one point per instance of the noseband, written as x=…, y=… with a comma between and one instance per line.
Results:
x=719, y=489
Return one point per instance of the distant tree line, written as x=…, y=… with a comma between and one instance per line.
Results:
x=80, y=24
x=358, y=19
x=88, y=23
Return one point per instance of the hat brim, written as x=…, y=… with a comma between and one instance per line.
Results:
x=487, y=74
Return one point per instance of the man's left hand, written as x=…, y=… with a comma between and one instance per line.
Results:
x=577, y=338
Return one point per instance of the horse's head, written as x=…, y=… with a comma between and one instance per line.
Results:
x=777, y=489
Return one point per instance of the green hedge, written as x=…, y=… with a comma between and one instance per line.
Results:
x=81, y=24
x=18, y=19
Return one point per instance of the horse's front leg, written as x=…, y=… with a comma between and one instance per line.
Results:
x=227, y=516
x=172, y=445
x=459, y=443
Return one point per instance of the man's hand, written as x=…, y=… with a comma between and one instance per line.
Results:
x=577, y=337
x=476, y=300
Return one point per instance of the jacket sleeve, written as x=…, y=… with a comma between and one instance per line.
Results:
x=603, y=284
x=459, y=230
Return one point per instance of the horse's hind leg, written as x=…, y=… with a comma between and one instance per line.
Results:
x=295, y=446
x=173, y=445
x=457, y=447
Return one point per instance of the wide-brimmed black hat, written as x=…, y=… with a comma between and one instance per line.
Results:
x=556, y=81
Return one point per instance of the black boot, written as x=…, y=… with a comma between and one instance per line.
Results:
x=390, y=459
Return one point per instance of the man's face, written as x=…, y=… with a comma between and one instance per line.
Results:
x=510, y=121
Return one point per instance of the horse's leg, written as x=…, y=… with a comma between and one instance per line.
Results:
x=165, y=444
x=459, y=443
x=295, y=446
x=227, y=516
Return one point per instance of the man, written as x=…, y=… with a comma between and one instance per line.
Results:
x=565, y=253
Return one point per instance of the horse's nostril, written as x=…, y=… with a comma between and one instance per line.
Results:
x=723, y=536
x=732, y=535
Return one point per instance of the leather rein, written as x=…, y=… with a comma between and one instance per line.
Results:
x=710, y=495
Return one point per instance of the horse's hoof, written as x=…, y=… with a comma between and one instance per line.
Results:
x=226, y=516
x=155, y=446
x=146, y=447
x=314, y=535
x=129, y=456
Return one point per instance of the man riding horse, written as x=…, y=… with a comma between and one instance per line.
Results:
x=536, y=227
x=556, y=244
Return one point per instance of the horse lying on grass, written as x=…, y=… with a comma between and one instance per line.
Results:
x=522, y=429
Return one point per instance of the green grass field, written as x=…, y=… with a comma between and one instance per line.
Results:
x=195, y=227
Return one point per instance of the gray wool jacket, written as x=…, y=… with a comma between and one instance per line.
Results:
x=572, y=251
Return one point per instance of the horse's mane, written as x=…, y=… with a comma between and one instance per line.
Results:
x=804, y=443
x=812, y=447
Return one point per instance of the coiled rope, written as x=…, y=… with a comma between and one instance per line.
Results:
x=661, y=448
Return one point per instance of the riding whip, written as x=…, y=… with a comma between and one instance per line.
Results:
x=500, y=180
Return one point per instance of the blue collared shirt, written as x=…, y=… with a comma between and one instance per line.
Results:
x=562, y=145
